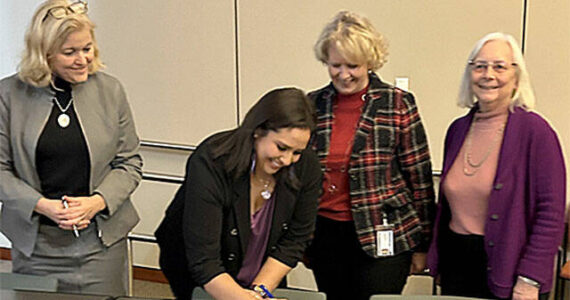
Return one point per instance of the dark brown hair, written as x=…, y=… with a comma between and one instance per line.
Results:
x=277, y=109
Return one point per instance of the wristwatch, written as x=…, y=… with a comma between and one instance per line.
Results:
x=529, y=281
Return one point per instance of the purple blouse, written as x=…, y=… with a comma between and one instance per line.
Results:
x=260, y=227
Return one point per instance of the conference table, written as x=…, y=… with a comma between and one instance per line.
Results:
x=30, y=295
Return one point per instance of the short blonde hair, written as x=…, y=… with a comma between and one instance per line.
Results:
x=522, y=97
x=356, y=39
x=45, y=36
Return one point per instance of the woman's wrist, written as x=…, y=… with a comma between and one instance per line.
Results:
x=100, y=202
x=42, y=206
x=529, y=281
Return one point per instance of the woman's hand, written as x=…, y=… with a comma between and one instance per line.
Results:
x=418, y=263
x=258, y=296
x=81, y=210
x=224, y=287
x=524, y=291
x=254, y=294
x=51, y=208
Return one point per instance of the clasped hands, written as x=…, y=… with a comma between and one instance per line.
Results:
x=79, y=212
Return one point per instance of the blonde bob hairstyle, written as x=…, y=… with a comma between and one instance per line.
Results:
x=355, y=38
x=45, y=36
x=522, y=97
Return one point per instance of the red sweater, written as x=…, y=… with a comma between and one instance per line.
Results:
x=335, y=202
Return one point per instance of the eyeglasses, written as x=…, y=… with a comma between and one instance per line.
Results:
x=58, y=12
x=482, y=66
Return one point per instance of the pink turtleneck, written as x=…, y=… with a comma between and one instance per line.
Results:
x=467, y=195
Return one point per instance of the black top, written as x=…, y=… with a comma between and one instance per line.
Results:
x=62, y=157
x=206, y=228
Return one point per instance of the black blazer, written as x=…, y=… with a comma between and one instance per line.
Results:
x=207, y=225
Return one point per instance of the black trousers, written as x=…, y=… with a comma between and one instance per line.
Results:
x=344, y=271
x=463, y=266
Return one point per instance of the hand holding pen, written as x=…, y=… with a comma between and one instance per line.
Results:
x=263, y=291
x=66, y=206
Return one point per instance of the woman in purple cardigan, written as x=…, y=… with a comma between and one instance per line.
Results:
x=503, y=188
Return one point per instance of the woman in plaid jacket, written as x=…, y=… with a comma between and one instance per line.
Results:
x=375, y=215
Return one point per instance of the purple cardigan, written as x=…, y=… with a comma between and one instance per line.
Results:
x=525, y=217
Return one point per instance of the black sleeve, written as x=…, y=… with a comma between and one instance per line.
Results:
x=203, y=216
x=291, y=246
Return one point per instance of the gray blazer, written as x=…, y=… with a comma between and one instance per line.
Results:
x=108, y=126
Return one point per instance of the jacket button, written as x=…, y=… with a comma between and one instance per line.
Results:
x=231, y=257
x=285, y=226
x=273, y=248
x=489, y=268
x=234, y=232
x=498, y=186
x=491, y=244
x=494, y=217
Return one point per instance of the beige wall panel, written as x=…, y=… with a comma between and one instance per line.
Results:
x=548, y=58
x=151, y=200
x=176, y=59
x=429, y=44
x=14, y=19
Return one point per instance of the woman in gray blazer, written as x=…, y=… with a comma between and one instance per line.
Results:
x=69, y=157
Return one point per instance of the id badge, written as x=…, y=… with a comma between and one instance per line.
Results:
x=385, y=240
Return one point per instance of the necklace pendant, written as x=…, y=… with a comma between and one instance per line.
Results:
x=63, y=120
x=266, y=194
x=467, y=173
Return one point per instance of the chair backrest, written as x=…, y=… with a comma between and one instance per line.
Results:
x=13, y=281
x=291, y=294
x=419, y=297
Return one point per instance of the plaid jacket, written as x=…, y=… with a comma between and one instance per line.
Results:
x=389, y=169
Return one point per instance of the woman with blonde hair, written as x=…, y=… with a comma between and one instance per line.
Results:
x=500, y=213
x=374, y=218
x=69, y=157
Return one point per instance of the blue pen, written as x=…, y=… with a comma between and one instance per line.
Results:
x=264, y=291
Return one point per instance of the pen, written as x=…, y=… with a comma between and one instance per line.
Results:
x=66, y=206
x=263, y=290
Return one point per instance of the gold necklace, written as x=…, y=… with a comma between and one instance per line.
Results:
x=467, y=156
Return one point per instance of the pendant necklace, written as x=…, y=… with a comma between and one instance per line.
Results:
x=63, y=118
x=266, y=192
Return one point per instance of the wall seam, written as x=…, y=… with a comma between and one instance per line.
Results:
x=524, y=22
x=236, y=46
